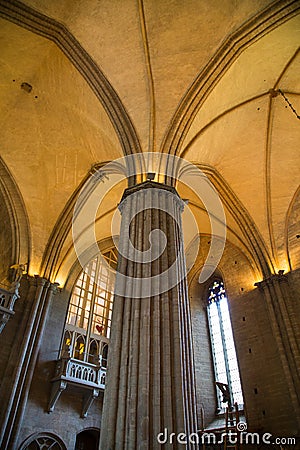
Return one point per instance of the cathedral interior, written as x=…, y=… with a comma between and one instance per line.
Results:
x=191, y=107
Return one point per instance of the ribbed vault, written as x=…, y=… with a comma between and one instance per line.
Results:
x=215, y=82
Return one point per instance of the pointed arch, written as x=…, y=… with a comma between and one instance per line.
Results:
x=61, y=230
x=90, y=298
x=292, y=232
x=17, y=220
x=253, y=238
x=27, y=17
x=255, y=28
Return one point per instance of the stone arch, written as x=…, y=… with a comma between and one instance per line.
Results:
x=29, y=18
x=59, y=252
x=253, y=29
x=89, y=254
x=242, y=217
x=15, y=229
x=87, y=439
x=249, y=232
x=74, y=273
x=292, y=232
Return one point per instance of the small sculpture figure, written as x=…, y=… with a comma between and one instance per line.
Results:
x=14, y=286
x=225, y=391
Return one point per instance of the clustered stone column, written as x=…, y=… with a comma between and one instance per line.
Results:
x=150, y=379
x=17, y=379
x=276, y=291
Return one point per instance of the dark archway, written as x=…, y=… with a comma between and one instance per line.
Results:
x=87, y=440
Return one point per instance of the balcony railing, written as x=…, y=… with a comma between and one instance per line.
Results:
x=9, y=293
x=76, y=371
x=7, y=301
x=90, y=377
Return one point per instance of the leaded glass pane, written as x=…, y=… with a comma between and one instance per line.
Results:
x=90, y=306
x=223, y=348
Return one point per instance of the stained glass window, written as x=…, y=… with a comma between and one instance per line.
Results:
x=88, y=323
x=223, y=348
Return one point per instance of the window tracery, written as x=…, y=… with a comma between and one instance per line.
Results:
x=43, y=441
x=88, y=323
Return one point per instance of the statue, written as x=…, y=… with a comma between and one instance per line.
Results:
x=19, y=270
x=224, y=388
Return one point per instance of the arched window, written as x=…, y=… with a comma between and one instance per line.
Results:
x=223, y=348
x=43, y=441
x=88, y=321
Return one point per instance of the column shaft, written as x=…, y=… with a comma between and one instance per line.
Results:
x=40, y=294
x=277, y=300
x=150, y=379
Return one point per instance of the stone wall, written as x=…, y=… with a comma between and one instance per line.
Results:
x=266, y=386
x=26, y=380
x=204, y=371
x=264, y=374
x=65, y=420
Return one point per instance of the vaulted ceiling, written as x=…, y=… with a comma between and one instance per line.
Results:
x=215, y=82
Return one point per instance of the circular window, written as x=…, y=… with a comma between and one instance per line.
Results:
x=43, y=441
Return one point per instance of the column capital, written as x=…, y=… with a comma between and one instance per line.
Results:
x=141, y=187
x=37, y=280
x=275, y=278
x=54, y=288
x=148, y=185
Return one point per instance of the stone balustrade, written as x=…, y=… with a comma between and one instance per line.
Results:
x=7, y=301
x=77, y=371
x=87, y=376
